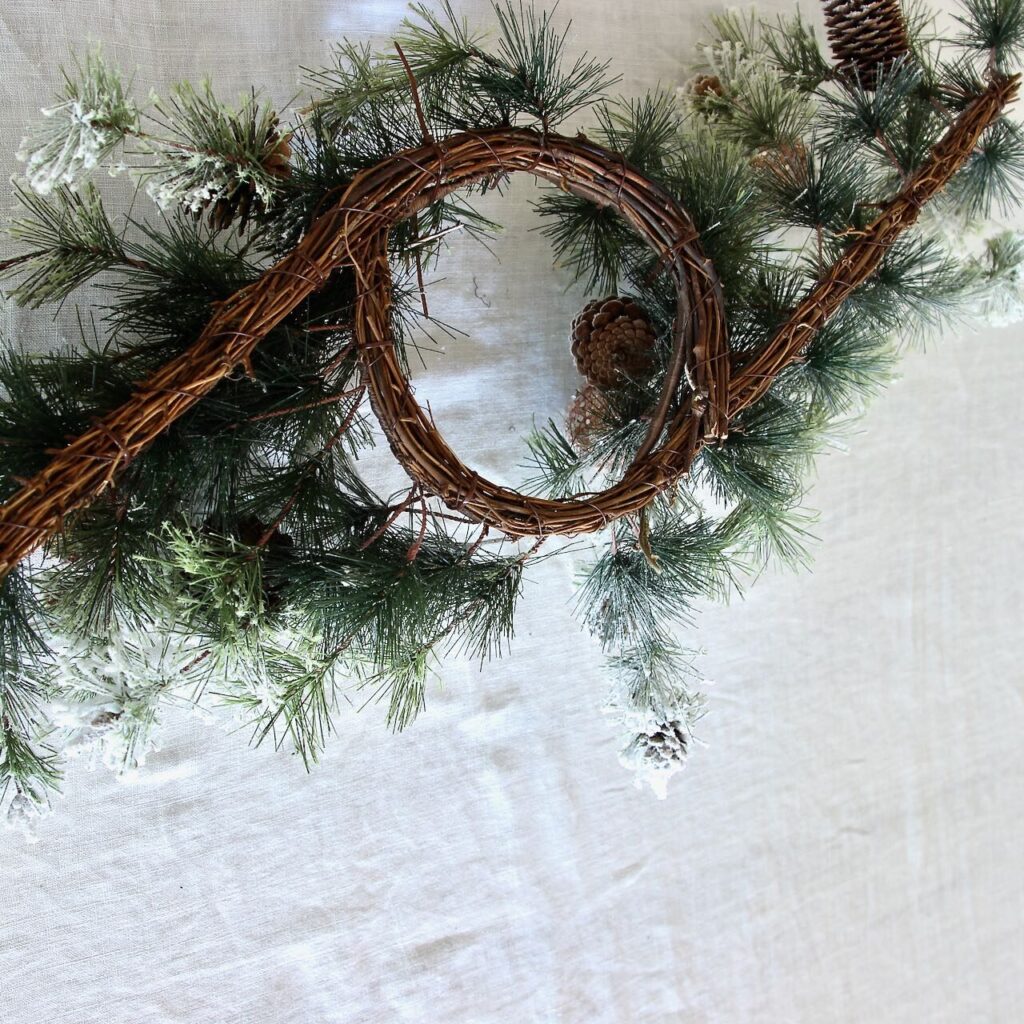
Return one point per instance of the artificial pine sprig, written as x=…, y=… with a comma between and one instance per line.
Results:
x=993, y=178
x=230, y=160
x=92, y=116
x=995, y=28
x=202, y=153
x=69, y=239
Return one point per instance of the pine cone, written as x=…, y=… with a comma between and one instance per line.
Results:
x=612, y=338
x=866, y=36
x=668, y=744
x=587, y=417
x=244, y=199
x=788, y=161
x=707, y=85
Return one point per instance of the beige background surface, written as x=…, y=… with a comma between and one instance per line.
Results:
x=848, y=846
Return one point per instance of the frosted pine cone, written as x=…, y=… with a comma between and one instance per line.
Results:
x=866, y=36
x=667, y=745
x=787, y=161
x=706, y=85
x=246, y=198
x=587, y=417
x=656, y=753
x=613, y=339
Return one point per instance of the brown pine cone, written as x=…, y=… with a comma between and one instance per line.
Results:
x=866, y=36
x=244, y=199
x=613, y=339
x=707, y=85
x=788, y=161
x=587, y=417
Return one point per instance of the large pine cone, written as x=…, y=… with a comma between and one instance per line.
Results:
x=613, y=339
x=866, y=36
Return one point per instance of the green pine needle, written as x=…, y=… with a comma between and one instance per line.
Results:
x=995, y=27
x=70, y=240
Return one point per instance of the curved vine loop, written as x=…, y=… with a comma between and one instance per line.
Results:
x=690, y=409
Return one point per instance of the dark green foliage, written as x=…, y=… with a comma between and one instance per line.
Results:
x=815, y=187
x=461, y=85
x=994, y=175
x=650, y=576
x=594, y=242
x=996, y=28
x=846, y=362
x=760, y=469
x=591, y=241
x=25, y=762
x=855, y=114
x=106, y=579
x=643, y=131
x=531, y=77
x=764, y=116
x=797, y=53
x=182, y=268
x=917, y=287
x=909, y=140
x=767, y=300
x=376, y=598
x=721, y=195
x=69, y=240
x=44, y=401
x=560, y=468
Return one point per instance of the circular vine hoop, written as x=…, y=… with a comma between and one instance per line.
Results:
x=691, y=412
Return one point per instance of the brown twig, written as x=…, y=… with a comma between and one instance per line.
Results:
x=414, y=87
x=327, y=400
x=414, y=493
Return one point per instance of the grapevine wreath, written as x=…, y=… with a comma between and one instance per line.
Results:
x=185, y=518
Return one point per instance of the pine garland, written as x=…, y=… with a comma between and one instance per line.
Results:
x=232, y=553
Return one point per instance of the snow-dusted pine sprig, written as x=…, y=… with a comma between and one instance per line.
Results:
x=109, y=691
x=1002, y=275
x=197, y=153
x=654, y=704
x=227, y=160
x=93, y=115
x=743, y=91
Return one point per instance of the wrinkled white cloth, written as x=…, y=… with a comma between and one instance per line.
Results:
x=846, y=848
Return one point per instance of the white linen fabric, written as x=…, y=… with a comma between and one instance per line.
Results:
x=847, y=847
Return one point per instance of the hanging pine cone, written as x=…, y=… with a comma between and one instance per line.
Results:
x=866, y=36
x=702, y=92
x=612, y=339
x=244, y=199
x=587, y=417
x=666, y=745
